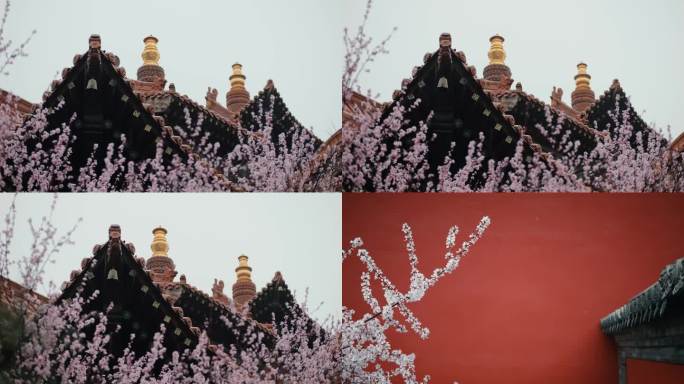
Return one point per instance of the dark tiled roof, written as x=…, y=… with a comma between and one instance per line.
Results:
x=215, y=317
x=171, y=107
x=597, y=115
x=116, y=102
x=139, y=304
x=269, y=99
x=184, y=309
x=112, y=87
x=469, y=104
x=652, y=304
x=273, y=300
x=530, y=111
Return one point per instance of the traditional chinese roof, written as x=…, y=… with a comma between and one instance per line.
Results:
x=212, y=127
x=282, y=121
x=139, y=305
x=461, y=109
x=536, y=115
x=273, y=301
x=144, y=298
x=678, y=143
x=599, y=114
x=276, y=302
x=106, y=105
x=21, y=105
x=14, y=294
x=223, y=326
x=326, y=167
x=354, y=102
x=661, y=300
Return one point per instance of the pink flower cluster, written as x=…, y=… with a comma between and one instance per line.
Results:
x=34, y=157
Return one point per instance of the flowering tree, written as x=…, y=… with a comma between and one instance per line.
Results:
x=37, y=154
x=16, y=305
x=66, y=341
x=386, y=149
x=265, y=161
x=368, y=355
x=34, y=157
x=10, y=54
x=73, y=346
x=628, y=159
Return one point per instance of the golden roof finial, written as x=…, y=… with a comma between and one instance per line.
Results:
x=244, y=289
x=150, y=54
x=160, y=266
x=150, y=70
x=582, y=78
x=243, y=271
x=496, y=54
x=159, y=246
x=237, y=78
x=237, y=97
x=582, y=97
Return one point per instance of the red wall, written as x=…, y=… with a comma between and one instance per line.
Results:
x=524, y=306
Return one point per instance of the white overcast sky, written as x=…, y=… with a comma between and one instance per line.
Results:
x=638, y=42
x=298, y=44
x=297, y=234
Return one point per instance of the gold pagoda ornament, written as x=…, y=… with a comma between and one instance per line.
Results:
x=160, y=245
x=237, y=97
x=496, y=54
x=244, y=289
x=582, y=78
x=583, y=96
x=497, y=71
x=160, y=265
x=150, y=71
x=150, y=54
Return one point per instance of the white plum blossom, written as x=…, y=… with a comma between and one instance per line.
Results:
x=366, y=349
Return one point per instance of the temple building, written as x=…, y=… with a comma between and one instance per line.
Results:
x=105, y=105
x=463, y=106
x=146, y=294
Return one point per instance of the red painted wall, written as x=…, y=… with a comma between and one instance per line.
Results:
x=524, y=306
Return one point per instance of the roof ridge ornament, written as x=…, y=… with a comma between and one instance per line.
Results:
x=616, y=85
x=244, y=288
x=151, y=71
x=160, y=266
x=278, y=277
x=150, y=54
x=269, y=85
x=238, y=96
x=497, y=53
x=111, y=264
x=444, y=60
x=583, y=96
x=94, y=42
x=217, y=292
x=497, y=71
x=94, y=49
